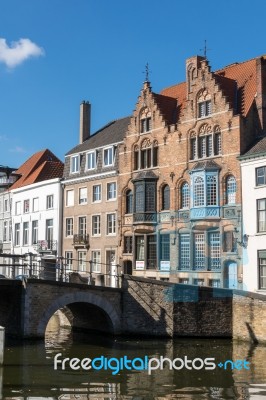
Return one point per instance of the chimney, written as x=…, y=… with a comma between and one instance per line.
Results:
x=85, y=121
x=261, y=92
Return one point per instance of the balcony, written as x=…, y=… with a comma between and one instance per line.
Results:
x=46, y=246
x=145, y=217
x=81, y=240
x=205, y=213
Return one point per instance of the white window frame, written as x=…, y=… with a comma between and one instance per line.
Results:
x=35, y=204
x=74, y=164
x=111, y=193
x=34, y=231
x=69, y=227
x=26, y=206
x=68, y=204
x=96, y=223
x=99, y=194
x=96, y=260
x=49, y=201
x=69, y=260
x=25, y=235
x=110, y=224
x=107, y=150
x=89, y=164
x=17, y=234
x=18, y=208
x=83, y=198
x=82, y=261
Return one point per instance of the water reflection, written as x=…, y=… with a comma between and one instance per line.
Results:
x=29, y=374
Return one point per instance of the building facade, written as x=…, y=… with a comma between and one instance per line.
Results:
x=91, y=187
x=253, y=167
x=180, y=178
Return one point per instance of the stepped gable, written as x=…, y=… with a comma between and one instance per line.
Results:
x=41, y=166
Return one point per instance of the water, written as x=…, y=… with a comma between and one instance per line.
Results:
x=29, y=372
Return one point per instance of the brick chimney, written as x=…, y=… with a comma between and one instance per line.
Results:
x=261, y=91
x=85, y=121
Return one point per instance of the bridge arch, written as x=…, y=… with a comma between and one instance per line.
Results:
x=89, y=302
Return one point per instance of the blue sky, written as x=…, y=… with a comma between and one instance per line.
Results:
x=56, y=53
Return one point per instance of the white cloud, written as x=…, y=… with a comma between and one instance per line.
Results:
x=17, y=149
x=18, y=52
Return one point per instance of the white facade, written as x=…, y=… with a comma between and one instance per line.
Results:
x=36, y=219
x=254, y=201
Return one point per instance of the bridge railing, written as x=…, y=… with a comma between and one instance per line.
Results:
x=63, y=270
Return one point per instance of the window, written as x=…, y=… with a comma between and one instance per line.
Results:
x=204, y=108
x=74, y=164
x=82, y=261
x=184, y=281
x=215, y=253
x=139, y=248
x=198, y=282
x=18, y=208
x=216, y=283
x=217, y=144
x=211, y=190
x=26, y=206
x=151, y=252
x=34, y=232
x=49, y=201
x=108, y=156
x=17, y=234
x=69, y=227
x=165, y=247
x=202, y=147
x=129, y=202
x=128, y=244
x=5, y=233
x=82, y=228
x=69, y=260
x=184, y=252
x=260, y=176
x=96, y=193
x=230, y=190
x=35, y=204
x=185, y=195
x=111, y=191
x=165, y=197
x=10, y=231
x=91, y=160
x=145, y=125
x=199, y=198
x=207, y=143
x=193, y=148
x=96, y=261
x=147, y=155
x=25, y=233
x=6, y=205
x=111, y=224
x=69, y=198
x=145, y=201
x=229, y=242
x=262, y=268
x=199, y=251
x=49, y=232
x=261, y=215
x=205, y=189
x=83, y=195
x=96, y=225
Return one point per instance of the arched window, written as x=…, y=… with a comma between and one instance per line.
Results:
x=165, y=197
x=129, y=202
x=185, y=195
x=204, y=104
x=230, y=190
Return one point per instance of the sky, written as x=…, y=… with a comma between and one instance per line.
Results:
x=56, y=53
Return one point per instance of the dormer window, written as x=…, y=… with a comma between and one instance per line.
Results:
x=91, y=160
x=108, y=156
x=74, y=164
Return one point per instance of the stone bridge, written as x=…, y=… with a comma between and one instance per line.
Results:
x=140, y=307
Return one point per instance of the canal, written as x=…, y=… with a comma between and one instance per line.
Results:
x=29, y=371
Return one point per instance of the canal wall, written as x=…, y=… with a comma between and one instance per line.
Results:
x=11, y=306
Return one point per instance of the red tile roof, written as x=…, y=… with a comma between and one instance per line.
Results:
x=41, y=166
x=240, y=76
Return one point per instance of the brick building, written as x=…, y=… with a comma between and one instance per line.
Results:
x=180, y=197
x=90, y=220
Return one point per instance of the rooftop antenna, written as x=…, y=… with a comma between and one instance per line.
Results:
x=205, y=49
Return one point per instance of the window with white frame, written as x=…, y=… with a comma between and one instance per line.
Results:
x=96, y=225
x=49, y=201
x=261, y=176
x=69, y=260
x=199, y=251
x=49, y=232
x=185, y=195
x=215, y=251
x=184, y=251
x=82, y=226
x=230, y=190
x=205, y=189
x=111, y=191
x=74, y=164
x=83, y=195
x=69, y=227
x=34, y=232
x=108, y=156
x=26, y=206
x=25, y=233
x=35, y=204
x=82, y=261
x=69, y=198
x=10, y=231
x=216, y=283
x=204, y=108
x=96, y=193
x=261, y=215
x=17, y=234
x=18, y=208
x=6, y=205
x=111, y=224
x=199, y=192
x=206, y=143
x=96, y=260
x=91, y=160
